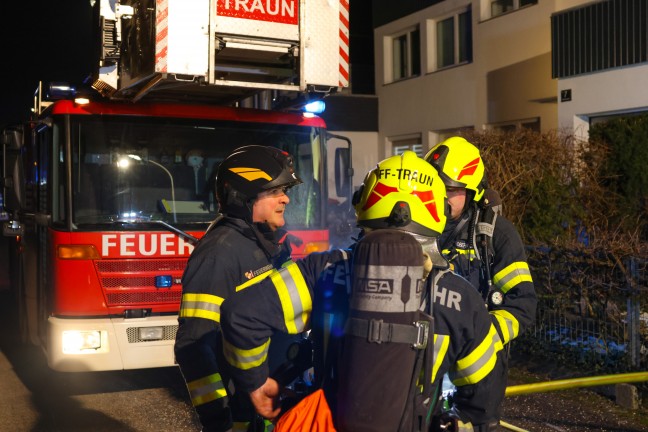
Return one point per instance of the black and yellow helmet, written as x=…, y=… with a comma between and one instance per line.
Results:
x=460, y=165
x=403, y=192
x=247, y=172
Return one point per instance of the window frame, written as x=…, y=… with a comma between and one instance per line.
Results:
x=515, y=5
x=413, y=142
x=411, y=62
x=532, y=124
x=459, y=58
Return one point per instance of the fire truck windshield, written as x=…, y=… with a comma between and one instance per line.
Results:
x=160, y=169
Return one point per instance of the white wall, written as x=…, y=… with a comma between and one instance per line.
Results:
x=513, y=65
x=612, y=92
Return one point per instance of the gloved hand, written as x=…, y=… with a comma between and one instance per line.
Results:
x=448, y=422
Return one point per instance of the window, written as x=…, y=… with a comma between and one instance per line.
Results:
x=532, y=124
x=412, y=143
x=499, y=7
x=598, y=37
x=454, y=40
x=405, y=55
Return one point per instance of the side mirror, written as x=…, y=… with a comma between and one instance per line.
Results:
x=13, y=176
x=343, y=167
x=341, y=217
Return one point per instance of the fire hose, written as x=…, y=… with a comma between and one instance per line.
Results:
x=570, y=383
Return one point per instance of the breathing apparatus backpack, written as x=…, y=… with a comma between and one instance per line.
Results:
x=488, y=209
x=385, y=354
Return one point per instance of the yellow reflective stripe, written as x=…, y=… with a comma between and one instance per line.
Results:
x=254, y=280
x=245, y=359
x=295, y=298
x=201, y=306
x=508, y=324
x=479, y=363
x=470, y=253
x=512, y=275
x=206, y=389
x=441, y=344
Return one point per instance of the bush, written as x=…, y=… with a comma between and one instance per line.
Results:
x=624, y=170
x=557, y=190
x=580, y=209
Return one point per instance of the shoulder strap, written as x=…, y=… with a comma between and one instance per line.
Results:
x=435, y=281
x=449, y=241
x=487, y=212
x=215, y=222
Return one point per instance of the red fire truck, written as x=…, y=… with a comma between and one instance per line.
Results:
x=107, y=195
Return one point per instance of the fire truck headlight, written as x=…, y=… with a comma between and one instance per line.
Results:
x=81, y=100
x=151, y=333
x=79, y=341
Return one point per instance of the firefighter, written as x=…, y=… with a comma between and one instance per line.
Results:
x=401, y=209
x=242, y=245
x=481, y=244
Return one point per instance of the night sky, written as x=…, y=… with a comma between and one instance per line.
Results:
x=41, y=40
x=52, y=40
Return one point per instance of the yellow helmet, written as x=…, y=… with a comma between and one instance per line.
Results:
x=403, y=192
x=459, y=164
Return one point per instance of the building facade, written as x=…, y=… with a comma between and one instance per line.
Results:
x=505, y=64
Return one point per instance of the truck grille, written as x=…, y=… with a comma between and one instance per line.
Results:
x=132, y=282
x=129, y=298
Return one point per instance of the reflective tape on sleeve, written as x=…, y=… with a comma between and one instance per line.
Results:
x=510, y=276
x=508, y=324
x=201, y=306
x=245, y=359
x=296, y=301
x=441, y=344
x=479, y=363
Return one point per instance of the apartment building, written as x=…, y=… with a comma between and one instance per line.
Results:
x=600, y=55
x=504, y=64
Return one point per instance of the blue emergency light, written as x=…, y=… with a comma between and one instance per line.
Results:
x=316, y=107
x=165, y=281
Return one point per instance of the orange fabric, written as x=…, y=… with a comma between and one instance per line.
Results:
x=311, y=414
